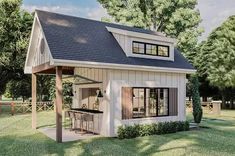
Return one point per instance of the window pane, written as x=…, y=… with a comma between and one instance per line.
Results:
x=148, y=46
x=138, y=103
x=154, y=49
x=163, y=51
x=141, y=45
x=135, y=44
x=141, y=50
x=162, y=102
x=135, y=50
x=151, y=102
x=148, y=49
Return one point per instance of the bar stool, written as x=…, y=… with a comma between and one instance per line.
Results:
x=67, y=118
x=78, y=116
x=89, y=118
x=72, y=117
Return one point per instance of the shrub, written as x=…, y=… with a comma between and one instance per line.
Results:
x=197, y=109
x=146, y=130
x=151, y=129
x=128, y=131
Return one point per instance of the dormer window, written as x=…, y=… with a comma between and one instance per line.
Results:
x=150, y=49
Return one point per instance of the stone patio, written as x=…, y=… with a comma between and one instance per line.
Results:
x=67, y=134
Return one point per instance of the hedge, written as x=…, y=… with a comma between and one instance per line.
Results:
x=127, y=132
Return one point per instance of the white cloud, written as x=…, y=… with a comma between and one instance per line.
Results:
x=92, y=13
x=61, y=9
x=214, y=13
x=97, y=13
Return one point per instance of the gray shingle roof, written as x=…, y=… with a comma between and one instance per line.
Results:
x=74, y=38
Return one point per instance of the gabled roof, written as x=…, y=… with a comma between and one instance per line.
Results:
x=78, y=39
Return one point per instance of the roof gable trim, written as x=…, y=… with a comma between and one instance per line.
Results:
x=30, y=52
x=140, y=35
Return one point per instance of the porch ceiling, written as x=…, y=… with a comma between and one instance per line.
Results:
x=46, y=68
x=79, y=80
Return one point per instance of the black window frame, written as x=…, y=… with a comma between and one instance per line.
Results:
x=145, y=53
x=157, y=104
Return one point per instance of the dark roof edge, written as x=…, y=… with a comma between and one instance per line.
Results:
x=74, y=63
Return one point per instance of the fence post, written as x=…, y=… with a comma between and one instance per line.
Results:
x=54, y=101
x=12, y=108
x=216, y=107
x=45, y=106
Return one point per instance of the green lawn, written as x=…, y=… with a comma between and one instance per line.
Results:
x=216, y=138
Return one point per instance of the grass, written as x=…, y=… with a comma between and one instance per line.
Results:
x=216, y=138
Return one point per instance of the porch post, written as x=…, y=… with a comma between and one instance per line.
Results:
x=59, y=104
x=34, y=100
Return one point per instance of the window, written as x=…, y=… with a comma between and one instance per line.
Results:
x=138, y=48
x=163, y=51
x=138, y=103
x=150, y=49
x=150, y=102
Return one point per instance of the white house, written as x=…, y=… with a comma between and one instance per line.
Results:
x=139, y=72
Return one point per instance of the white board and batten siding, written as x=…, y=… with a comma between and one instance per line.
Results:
x=41, y=57
x=120, y=78
x=38, y=57
x=113, y=81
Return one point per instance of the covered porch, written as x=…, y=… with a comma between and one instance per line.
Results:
x=83, y=118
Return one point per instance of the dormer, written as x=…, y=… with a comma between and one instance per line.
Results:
x=143, y=45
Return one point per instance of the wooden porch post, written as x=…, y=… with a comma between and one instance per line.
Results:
x=59, y=96
x=34, y=100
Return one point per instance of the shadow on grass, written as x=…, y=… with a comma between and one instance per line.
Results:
x=179, y=143
x=218, y=139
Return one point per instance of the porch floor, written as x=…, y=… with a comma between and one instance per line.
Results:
x=67, y=134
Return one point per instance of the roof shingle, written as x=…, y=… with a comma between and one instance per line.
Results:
x=79, y=39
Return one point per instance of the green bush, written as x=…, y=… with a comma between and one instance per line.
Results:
x=127, y=132
x=197, y=108
x=146, y=130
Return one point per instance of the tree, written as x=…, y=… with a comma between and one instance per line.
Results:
x=216, y=57
x=178, y=18
x=67, y=91
x=15, y=27
x=197, y=109
x=19, y=88
x=43, y=87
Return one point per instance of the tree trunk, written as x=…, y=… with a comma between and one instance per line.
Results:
x=204, y=99
x=231, y=103
x=223, y=99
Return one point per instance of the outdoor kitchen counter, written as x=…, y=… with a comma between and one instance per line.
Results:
x=88, y=111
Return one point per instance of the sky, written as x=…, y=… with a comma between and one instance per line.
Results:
x=213, y=12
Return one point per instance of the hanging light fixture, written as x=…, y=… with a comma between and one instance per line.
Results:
x=99, y=94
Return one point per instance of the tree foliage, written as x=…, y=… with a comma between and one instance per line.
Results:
x=67, y=91
x=43, y=87
x=19, y=88
x=178, y=18
x=216, y=56
x=15, y=27
x=197, y=109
